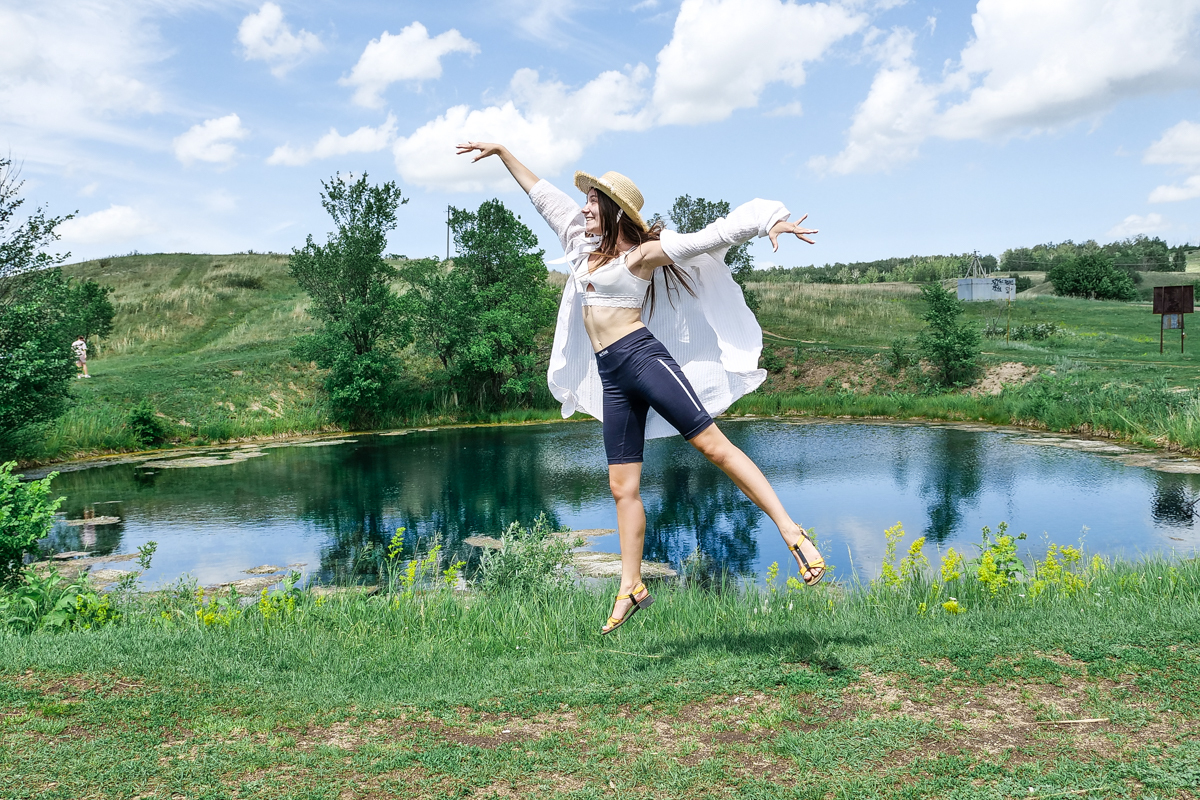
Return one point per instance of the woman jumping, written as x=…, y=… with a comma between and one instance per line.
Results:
x=617, y=357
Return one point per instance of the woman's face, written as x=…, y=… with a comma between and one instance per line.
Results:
x=591, y=214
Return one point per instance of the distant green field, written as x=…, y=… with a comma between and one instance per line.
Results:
x=207, y=338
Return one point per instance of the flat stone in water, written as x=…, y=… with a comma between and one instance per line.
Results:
x=246, y=585
x=265, y=569
x=591, y=564
x=326, y=442
x=103, y=577
x=75, y=523
x=235, y=457
x=69, y=554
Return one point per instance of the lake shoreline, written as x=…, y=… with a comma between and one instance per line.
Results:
x=33, y=470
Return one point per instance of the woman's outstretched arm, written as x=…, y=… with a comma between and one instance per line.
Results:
x=718, y=236
x=522, y=173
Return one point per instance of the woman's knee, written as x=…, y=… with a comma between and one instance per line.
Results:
x=625, y=481
x=713, y=445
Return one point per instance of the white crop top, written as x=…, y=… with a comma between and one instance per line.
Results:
x=612, y=285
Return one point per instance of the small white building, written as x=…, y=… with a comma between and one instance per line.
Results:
x=976, y=289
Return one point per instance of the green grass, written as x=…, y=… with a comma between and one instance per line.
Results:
x=207, y=340
x=831, y=692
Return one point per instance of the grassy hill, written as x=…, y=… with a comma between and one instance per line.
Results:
x=206, y=339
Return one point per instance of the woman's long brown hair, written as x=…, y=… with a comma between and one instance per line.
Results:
x=617, y=226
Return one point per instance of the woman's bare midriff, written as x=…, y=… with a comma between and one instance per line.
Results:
x=605, y=325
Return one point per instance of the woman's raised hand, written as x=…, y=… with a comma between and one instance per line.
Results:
x=523, y=175
x=782, y=227
x=485, y=149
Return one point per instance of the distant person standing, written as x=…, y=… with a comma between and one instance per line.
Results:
x=80, y=348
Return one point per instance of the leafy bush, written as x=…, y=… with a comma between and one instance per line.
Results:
x=897, y=358
x=26, y=513
x=1091, y=275
x=771, y=361
x=46, y=601
x=1023, y=282
x=951, y=345
x=145, y=425
x=1037, y=332
x=533, y=559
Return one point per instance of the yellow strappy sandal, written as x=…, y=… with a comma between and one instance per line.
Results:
x=615, y=622
x=805, y=565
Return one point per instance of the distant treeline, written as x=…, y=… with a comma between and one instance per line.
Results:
x=913, y=269
x=1135, y=254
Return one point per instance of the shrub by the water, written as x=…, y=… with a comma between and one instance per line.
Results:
x=535, y=559
x=26, y=513
x=951, y=345
x=145, y=426
x=771, y=361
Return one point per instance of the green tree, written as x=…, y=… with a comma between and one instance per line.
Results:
x=480, y=315
x=689, y=215
x=1091, y=275
x=26, y=514
x=351, y=289
x=36, y=364
x=948, y=342
x=89, y=310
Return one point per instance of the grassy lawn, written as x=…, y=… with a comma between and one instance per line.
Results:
x=814, y=693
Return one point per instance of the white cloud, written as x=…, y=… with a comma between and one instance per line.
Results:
x=1034, y=65
x=1180, y=144
x=266, y=37
x=1135, y=224
x=547, y=123
x=114, y=224
x=364, y=140
x=793, y=109
x=71, y=66
x=724, y=53
x=411, y=55
x=1174, y=194
x=895, y=117
x=211, y=141
x=89, y=190
x=1031, y=67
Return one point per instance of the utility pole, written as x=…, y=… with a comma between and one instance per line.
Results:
x=447, y=233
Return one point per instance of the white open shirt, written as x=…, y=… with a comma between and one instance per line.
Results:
x=713, y=336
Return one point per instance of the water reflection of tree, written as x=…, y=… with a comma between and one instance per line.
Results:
x=1174, y=500
x=692, y=504
x=454, y=485
x=953, y=477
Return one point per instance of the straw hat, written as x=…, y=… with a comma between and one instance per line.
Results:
x=622, y=191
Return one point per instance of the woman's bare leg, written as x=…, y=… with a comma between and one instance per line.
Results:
x=749, y=478
x=625, y=480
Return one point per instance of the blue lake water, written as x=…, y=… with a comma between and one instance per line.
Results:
x=322, y=504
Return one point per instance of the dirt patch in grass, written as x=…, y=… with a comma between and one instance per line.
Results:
x=1018, y=718
x=74, y=688
x=832, y=371
x=1010, y=373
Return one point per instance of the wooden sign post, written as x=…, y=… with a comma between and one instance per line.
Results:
x=1171, y=303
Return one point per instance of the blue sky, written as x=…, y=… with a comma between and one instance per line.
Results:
x=899, y=127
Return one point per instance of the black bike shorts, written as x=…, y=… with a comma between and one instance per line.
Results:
x=639, y=374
